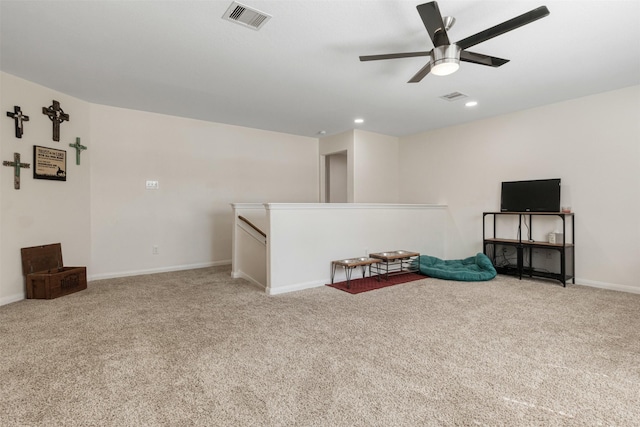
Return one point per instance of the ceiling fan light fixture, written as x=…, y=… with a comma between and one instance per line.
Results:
x=445, y=67
x=445, y=60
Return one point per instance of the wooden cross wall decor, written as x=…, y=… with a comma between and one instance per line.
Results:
x=19, y=120
x=16, y=165
x=79, y=147
x=57, y=116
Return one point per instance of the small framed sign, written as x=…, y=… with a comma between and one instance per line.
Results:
x=49, y=163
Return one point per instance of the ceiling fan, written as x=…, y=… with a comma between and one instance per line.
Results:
x=445, y=57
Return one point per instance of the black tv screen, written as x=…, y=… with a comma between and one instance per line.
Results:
x=541, y=195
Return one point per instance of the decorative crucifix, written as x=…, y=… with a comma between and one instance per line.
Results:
x=57, y=116
x=19, y=119
x=16, y=165
x=79, y=147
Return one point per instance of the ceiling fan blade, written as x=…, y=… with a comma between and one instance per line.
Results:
x=420, y=74
x=393, y=56
x=511, y=24
x=478, y=58
x=432, y=19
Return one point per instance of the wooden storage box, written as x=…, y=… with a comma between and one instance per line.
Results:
x=46, y=275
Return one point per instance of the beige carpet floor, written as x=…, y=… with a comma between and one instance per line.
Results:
x=198, y=348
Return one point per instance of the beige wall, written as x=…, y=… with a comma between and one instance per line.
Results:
x=103, y=215
x=591, y=143
x=42, y=211
x=375, y=168
x=201, y=168
x=372, y=165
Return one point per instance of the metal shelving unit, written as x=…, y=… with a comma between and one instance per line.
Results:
x=525, y=247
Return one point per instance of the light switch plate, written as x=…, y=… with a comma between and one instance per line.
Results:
x=152, y=185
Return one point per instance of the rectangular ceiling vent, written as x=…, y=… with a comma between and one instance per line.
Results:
x=453, y=96
x=246, y=16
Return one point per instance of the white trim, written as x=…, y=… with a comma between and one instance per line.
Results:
x=159, y=270
x=298, y=287
x=259, y=206
x=610, y=286
x=12, y=298
x=277, y=206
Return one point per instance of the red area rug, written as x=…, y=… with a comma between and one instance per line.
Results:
x=357, y=286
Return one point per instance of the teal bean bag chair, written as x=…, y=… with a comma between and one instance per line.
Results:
x=473, y=269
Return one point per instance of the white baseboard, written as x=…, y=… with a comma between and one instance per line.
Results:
x=297, y=287
x=12, y=298
x=158, y=270
x=610, y=286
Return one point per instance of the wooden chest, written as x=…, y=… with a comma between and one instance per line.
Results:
x=46, y=275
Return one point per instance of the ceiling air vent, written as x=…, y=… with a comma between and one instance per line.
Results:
x=453, y=96
x=246, y=16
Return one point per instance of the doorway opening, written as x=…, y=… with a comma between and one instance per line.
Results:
x=336, y=177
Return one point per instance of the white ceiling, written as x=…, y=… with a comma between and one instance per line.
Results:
x=300, y=73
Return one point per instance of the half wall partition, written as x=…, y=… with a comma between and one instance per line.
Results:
x=303, y=238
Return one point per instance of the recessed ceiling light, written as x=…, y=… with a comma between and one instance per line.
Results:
x=471, y=104
x=358, y=121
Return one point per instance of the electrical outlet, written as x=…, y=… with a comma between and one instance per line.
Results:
x=152, y=185
x=155, y=250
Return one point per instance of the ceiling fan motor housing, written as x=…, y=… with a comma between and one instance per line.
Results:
x=445, y=59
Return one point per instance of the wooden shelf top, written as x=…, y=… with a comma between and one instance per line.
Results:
x=528, y=242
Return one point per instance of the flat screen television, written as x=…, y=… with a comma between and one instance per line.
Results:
x=540, y=195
